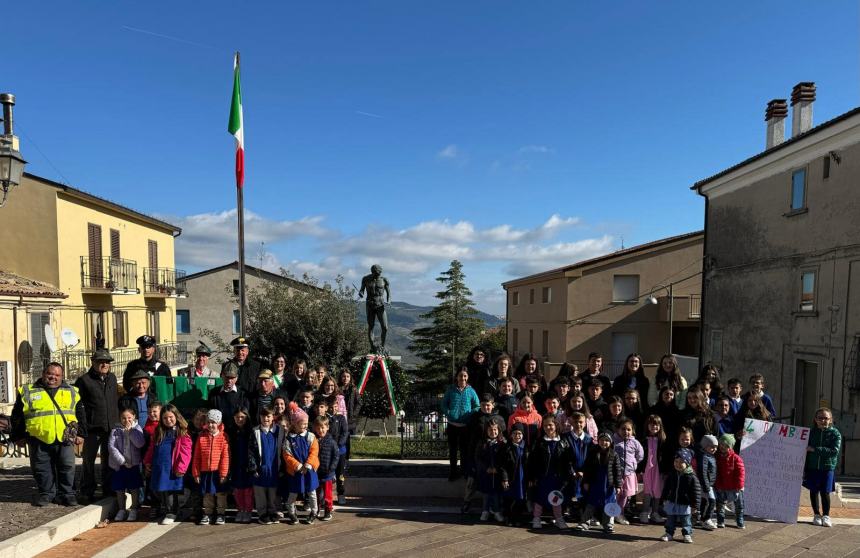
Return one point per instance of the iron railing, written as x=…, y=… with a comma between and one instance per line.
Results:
x=695, y=307
x=164, y=280
x=78, y=362
x=113, y=275
x=423, y=429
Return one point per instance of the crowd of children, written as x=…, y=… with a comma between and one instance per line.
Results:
x=265, y=460
x=529, y=445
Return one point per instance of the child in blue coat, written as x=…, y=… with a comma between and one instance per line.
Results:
x=264, y=459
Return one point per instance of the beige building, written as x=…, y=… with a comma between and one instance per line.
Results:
x=782, y=244
x=112, y=265
x=605, y=304
x=213, y=302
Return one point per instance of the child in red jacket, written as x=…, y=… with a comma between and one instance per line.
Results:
x=210, y=464
x=730, y=481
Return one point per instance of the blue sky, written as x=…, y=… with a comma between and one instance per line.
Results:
x=515, y=136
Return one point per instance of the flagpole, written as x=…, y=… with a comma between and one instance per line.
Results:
x=240, y=211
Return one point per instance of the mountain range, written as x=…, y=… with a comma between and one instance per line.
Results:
x=403, y=318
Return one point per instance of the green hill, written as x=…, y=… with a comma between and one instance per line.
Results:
x=403, y=318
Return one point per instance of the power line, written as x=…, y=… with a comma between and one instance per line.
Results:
x=42, y=153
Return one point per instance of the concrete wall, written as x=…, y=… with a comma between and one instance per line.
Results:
x=752, y=299
x=30, y=228
x=211, y=302
x=586, y=293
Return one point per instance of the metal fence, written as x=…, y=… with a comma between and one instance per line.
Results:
x=109, y=274
x=423, y=429
x=78, y=362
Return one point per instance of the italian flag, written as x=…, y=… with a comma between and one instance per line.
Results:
x=235, y=125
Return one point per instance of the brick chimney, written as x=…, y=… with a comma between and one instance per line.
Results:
x=802, y=97
x=775, y=115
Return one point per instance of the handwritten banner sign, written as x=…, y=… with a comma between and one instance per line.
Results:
x=774, y=456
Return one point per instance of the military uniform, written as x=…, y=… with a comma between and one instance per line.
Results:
x=36, y=419
x=152, y=367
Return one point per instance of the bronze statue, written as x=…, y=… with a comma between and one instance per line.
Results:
x=378, y=295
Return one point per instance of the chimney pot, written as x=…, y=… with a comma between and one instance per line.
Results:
x=774, y=115
x=802, y=98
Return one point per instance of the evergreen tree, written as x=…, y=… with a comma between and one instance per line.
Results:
x=454, y=331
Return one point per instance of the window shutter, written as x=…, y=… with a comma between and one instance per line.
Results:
x=153, y=254
x=114, y=244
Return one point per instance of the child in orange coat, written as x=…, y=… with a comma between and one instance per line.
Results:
x=301, y=454
x=210, y=465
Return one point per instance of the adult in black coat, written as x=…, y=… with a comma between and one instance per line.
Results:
x=247, y=368
x=147, y=362
x=480, y=370
x=228, y=397
x=632, y=377
x=97, y=415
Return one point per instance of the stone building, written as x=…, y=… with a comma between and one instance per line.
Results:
x=781, y=293
x=605, y=304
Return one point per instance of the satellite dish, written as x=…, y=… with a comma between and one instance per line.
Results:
x=69, y=337
x=50, y=341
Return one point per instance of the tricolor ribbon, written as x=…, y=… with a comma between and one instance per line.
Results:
x=386, y=379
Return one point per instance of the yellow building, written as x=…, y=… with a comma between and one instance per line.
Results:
x=113, y=265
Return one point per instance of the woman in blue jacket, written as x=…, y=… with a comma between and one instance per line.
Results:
x=459, y=403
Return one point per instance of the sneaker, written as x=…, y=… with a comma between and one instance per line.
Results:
x=485, y=515
x=741, y=526
x=721, y=525
x=582, y=527
x=42, y=502
x=666, y=538
x=536, y=523
x=825, y=520
x=168, y=519
x=326, y=516
x=621, y=520
x=121, y=515
x=291, y=518
x=219, y=520
x=311, y=518
x=643, y=518
x=608, y=528
x=263, y=519
x=465, y=507
x=709, y=525
x=132, y=515
x=204, y=520
x=688, y=539
x=817, y=520
x=341, y=500
x=500, y=517
x=657, y=518
x=561, y=524
x=69, y=501
x=279, y=515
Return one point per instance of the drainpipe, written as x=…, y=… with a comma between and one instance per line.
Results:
x=15, y=347
x=703, y=288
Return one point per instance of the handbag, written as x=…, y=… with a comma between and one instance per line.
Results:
x=70, y=432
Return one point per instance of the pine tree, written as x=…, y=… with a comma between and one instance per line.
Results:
x=454, y=331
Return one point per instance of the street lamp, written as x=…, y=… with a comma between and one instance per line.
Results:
x=11, y=162
x=653, y=300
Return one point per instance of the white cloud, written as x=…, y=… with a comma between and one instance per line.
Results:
x=535, y=149
x=449, y=152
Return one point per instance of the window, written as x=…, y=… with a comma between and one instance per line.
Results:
x=825, y=173
x=41, y=355
x=235, y=287
x=516, y=340
x=798, y=189
x=531, y=296
x=237, y=327
x=153, y=324
x=546, y=295
x=807, y=291
x=95, y=336
x=545, y=343
x=531, y=340
x=515, y=298
x=120, y=328
x=183, y=321
x=625, y=288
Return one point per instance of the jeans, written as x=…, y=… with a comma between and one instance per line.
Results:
x=724, y=496
x=685, y=521
x=458, y=438
x=491, y=502
x=95, y=443
x=53, y=467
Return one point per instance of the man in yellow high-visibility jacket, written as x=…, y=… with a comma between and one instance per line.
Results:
x=37, y=421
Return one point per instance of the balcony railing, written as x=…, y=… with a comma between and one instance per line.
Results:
x=164, y=281
x=109, y=275
x=695, y=307
x=77, y=362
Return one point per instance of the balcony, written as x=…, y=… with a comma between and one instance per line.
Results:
x=164, y=282
x=108, y=276
x=686, y=308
